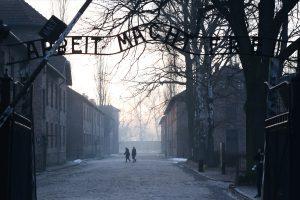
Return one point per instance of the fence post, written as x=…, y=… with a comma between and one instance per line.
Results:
x=200, y=166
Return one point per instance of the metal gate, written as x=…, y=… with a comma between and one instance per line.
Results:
x=281, y=168
x=17, y=141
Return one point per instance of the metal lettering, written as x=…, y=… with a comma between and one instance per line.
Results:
x=62, y=48
x=96, y=40
x=151, y=32
x=46, y=46
x=124, y=40
x=174, y=37
x=171, y=34
x=137, y=34
x=75, y=43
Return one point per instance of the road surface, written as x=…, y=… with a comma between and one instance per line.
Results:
x=151, y=177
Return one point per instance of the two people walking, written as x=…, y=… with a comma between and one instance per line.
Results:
x=127, y=154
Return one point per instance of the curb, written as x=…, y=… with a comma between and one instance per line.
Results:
x=204, y=175
x=62, y=167
x=234, y=191
x=58, y=167
x=71, y=164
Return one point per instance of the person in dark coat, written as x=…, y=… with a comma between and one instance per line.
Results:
x=133, y=154
x=127, y=154
x=259, y=170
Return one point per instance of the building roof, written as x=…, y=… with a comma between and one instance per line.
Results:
x=162, y=119
x=18, y=12
x=110, y=111
x=85, y=99
x=110, y=108
x=178, y=97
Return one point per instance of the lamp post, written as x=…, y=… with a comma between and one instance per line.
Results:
x=4, y=30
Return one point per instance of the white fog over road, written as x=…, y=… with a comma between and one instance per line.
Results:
x=151, y=177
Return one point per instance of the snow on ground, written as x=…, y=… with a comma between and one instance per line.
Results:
x=151, y=177
x=77, y=161
x=177, y=160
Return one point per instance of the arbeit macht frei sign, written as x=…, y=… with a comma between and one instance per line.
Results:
x=147, y=33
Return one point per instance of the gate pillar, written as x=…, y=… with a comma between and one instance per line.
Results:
x=5, y=99
x=295, y=138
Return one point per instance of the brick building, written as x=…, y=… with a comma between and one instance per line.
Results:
x=92, y=131
x=229, y=119
x=49, y=89
x=174, y=128
x=85, y=131
x=162, y=123
x=111, y=129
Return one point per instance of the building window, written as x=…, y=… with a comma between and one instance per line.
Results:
x=59, y=98
x=63, y=136
x=87, y=113
x=56, y=136
x=59, y=139
x=47, y=92
x=83, y=111
x=64, y=106
x=51, y=100
x=44, y=106
x=47, y=132
x=51, y=135
x=55, y=96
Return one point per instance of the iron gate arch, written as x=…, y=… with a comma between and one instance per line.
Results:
x=281, y=168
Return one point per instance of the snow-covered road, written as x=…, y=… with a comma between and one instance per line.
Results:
x=151, y=177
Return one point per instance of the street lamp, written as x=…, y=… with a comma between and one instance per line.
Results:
x=4, y=30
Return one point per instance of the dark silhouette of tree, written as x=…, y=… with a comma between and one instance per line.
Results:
x=269, y=18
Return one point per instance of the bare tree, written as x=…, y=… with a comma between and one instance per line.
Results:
x=102, y=82
x=170, y=89
x=265, y=19
x=60, y=7
x=187, y=15
x=269, y=18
